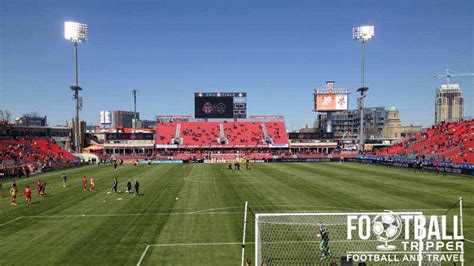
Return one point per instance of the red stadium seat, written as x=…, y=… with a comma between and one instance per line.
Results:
x=204, y=134
x=450, y=142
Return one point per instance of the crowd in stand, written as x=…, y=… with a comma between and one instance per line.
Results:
x=23, y=151
x=448, y=142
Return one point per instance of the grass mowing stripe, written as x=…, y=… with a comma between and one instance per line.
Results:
x=378, y=187
x=210, y=209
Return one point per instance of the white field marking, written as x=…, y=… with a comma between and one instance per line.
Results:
x=199, y=212
x=318, y=241
x=187, y=244
x=468, y=240
x=213, y=211
x=256, y=206
x=127, y=214
x=16, y=219
x=199, y=244
x=348, y=208
x=233, y=182
x=32, y=178
x=210, y=210
x=143, y=255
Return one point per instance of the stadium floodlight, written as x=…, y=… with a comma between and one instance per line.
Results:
x=135, y=92
x=362, y=34
x=76, y=32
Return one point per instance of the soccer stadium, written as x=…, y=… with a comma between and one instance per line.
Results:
x=256, y=172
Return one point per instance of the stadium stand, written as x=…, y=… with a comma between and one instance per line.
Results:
x=42, y=151
x=243, y=134
x=220, y=140
x=448, y=142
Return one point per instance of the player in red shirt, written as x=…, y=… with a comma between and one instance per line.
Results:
x=84, y=183
x=27, y=192
x=38, y=185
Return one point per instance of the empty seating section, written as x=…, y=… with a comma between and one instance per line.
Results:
x=34, y=150
x=243, y=133
x=450, y=142
x=165, y=132
x=277, y=131
x=199, y=133
x=204, y=134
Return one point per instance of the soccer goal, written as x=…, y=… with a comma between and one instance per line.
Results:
x=325, y=238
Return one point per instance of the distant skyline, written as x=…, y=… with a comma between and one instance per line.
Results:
x=276, y=51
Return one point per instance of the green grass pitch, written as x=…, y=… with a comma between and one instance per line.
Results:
x=183, y=205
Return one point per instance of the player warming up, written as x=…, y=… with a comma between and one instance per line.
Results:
x=129, y=186
x=64, y=178
x=38, y=185
x=43, y=189
x=13, y=191
x=27, y=192
x=92, y=186
x=84, y=183
x=324, y=250
x=136, y=188
x=114, y=186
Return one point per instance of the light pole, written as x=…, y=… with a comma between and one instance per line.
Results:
x=135, y=92
x=362, y=34
x=76, y=32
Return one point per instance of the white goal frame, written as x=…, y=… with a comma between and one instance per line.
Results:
x=258, y=216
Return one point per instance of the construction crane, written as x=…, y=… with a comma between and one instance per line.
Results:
x=448, y=76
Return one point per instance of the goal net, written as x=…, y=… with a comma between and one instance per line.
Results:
x=323, y=238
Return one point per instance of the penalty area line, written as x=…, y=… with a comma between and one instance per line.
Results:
x=16, y=219
x=131, y=214
x=187, y=244
x=143, y=255
x=199, y=244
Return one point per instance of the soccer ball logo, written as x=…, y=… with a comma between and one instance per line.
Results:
x=387, y=227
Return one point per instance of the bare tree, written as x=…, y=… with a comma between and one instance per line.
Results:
x=32, y=114
x=6, y=115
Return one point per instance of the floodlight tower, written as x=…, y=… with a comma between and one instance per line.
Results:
x=362, y=34
x=135, y=92
x=76, y=32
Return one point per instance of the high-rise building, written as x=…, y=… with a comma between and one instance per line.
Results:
x=124, y=118
x=349, y=121
x=449, y=104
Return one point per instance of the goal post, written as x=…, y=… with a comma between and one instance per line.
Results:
x=324, y=238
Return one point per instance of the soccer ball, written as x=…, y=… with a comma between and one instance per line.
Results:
x=387, y=226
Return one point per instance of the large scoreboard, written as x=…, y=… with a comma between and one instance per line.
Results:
x=330, y=100
x=220, y=105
